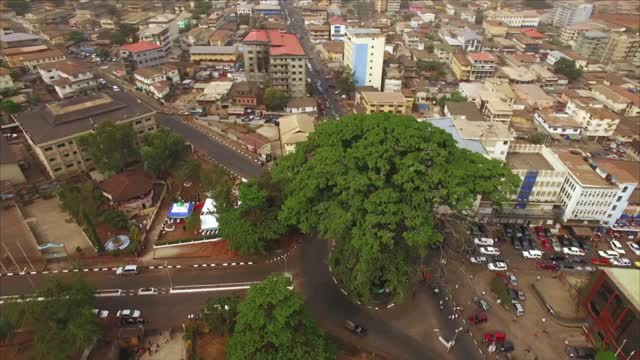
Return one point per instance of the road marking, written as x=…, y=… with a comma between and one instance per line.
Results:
x=33, y=272
x=204, y=265
x=55, y=271
x=45, y=272
x=225, y=264
x=105, y=269
x=196, y=265
x=241, y=263
x=178, y=266
x=96, y=269
x=65, y=271
x=76, y=270
x=161, y=267
x=170, y=267
x=114, y=269
x=211, y=287
x=233, y=264
x=344, y=292
x=85, y=270
x=9, y=274
x=391, y=305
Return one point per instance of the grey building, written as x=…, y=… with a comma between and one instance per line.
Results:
x=567, y=13
x=592, y=44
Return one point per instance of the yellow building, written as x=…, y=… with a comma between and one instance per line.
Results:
x=226, y=54
x=388, y=102
x=495, y=28
x=460, y=66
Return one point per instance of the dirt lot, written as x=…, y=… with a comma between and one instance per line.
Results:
x=52, y=225
x=17, y=241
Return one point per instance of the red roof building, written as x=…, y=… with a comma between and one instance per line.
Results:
x=140, y=46
x=532, y=33
x=481, y=56
x=280, y=43
x=337, y=20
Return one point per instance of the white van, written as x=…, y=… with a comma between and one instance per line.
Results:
x=518, y=308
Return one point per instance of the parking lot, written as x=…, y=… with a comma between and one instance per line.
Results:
x=503, y=264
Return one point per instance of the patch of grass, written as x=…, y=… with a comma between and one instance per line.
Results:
x=499, y=288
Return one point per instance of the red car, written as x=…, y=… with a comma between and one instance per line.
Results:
x=547, y=245
x=600, y=261
x=547, y=265
x=478, y=318
x=496, y=336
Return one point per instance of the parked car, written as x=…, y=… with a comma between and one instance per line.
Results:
x=599, y=261
x=497, y=266
x=516, y=244
x=621, y=262
x=573, y=251
x=556, y=245
x=532, y=254
x=355, y=328
x=129, y=316
x=505, y=347
x=127, y=270
x=547, y=265
x=634, y=247
x=482, y=303
x=495, y=337
x=616, y=246
x=101, y=314
x=478, y=318
x=115, y=88
x=511, y=277
x=546, y=245
x=521, y=295
x=556, y=257
x=518, y=308
x=483, y=241
x=489, y=251
x=608, y=254
x=581, y=353
x=497, y=258
x=478, y=260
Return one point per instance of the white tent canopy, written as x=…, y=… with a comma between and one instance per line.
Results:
x=208, y=220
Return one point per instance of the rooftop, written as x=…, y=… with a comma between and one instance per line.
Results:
x=43, y=55
x=580, y=168
x=281, y=43
x=359, y=32
x=140, y=46
x=559, y=119
x=528, y=161
x=334, y=46
x=383, y=97
x=481, y=56
x=60, y=119
x=483, y=130
x=69, y=67
x=18, y=36
x=229, y=50
x=466, y=110
x=128, y=185
x=448, y=125
x=628, y=281
x=7, y=155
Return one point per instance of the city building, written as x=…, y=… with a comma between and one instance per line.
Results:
x=338, y=28
x=196, y=36
x=495, y=109
x=621, y=47
x=129, y=191
x=157, y=80
x=533, y=96
x=18, y=40
x=302, y=105
x=9, y=169
x=592, y=44
x=473, y=66
x=35, y=59
x=6, y=82
x=333, y=52
x=559, y=126
x=494, y=137
x=159, y=35
x=294, y=129
x=169, y=21
x=465, y=110
x=364, y=55
x=618, y=99
x=392, y=80
x=596, y=190
x=370, y=102
x=245, y=94
x=314, y=14
x=593, y=116
x=68, y=77
x=52, y=129
x=569, y=34
x=244, y=9
x=566, y=13
x=471, y=41
x=319, y=33
x=494, y=28
x=14, y=57
x=527, y=18
x=380, y=6
x=217, y=54
x=267, y=10
x=141, y=54
x=277, y=59
x=393, y=6
x=526, y=44
x=613, y=308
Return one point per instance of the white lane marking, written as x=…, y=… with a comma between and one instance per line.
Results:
x=76, y=270
x=65, y=271
x=161, y=267
x=344, y=292
x=33, y=272
x=211, y=287
x=105, y=269
x=233, y=264
x=56, y=271
x=204, y=265
x=178, y=266
x=214, y=265
x=114, y=269
x=85, y=270
x=45, y=272
x=152, y=267
x=391, y=305
x=196, y=265
x=225, y=264
x=96, y=269
x=242, y=263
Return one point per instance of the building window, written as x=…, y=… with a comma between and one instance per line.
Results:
x=61, y=145
x=624, y=189
x=57, y=169
x=69, y=165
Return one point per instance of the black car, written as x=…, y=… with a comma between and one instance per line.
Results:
x=564, y=241
x=516, y=244
x=505, y=347
x=498, y=258
x=355, y=328
x=526, y=245
x=555, y=257
x=581, y=353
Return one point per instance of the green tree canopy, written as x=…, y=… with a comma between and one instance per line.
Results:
x=218, y=184
x=252, y=225
x=537, y=138
x=436, y=68
x=345, y=81
x=187, y=168
x=102, y=52
x=371, y=183
x=64, y=324
x=605, y=355
x=567, y=68
x=80, y=199
x=111, y=146
x=220, y=314
x=9, y=106
x=275, y=99
x=76, y=36
x=161, y=151
x=455, y=96
x=272, y=323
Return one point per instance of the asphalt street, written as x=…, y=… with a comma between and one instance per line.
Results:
x=223, y=154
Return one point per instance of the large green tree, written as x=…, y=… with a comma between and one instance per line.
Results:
x=272, y=323
x=63, y=323
x=111, y=146
x=161, y=151
x=345, y=81
x=9, y=106
x=220, y=314
x=217, y=183
x=455, y=96
x=80, y=199
x=76, y=36
x=252, y=225
x=372, y=184
x=275, y=99
x=567, y=68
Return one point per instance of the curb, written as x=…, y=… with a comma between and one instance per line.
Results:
x=571, y=323
x=285, y=255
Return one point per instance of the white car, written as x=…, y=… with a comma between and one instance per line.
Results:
x=532, y=254
x=616, y=246
x=497, y=266
x=127, y=270
x=620, y=262
x=634, y=247
x=483, y=241
x=609, y=254
x=102, y=314
x=573, y=251
x=115, y=88
x=489, y=251
x=128, y=313
x=478, y=260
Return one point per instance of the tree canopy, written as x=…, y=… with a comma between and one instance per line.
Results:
x=371, y=183
x=567, y=68
x=275, y=99
x=220, y=314
x=252, y=225
x=9, y=106
x=455, y=96
x=111, y=146
x=161, y=151
x=64, y=324
x=80, y=199
x=345, y=81
x=272, y=323
x=76, y=36
x=217, y=182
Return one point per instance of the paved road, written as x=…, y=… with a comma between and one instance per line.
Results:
x=226, y=156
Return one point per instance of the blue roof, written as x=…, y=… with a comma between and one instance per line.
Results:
x=446, y=124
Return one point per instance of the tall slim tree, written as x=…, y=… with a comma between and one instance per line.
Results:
x=372, y=183
x=272, y=323
x=111, y=146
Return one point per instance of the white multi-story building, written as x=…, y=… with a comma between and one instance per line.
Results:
x=593, y=116
x=495, y=137
x=337, y=28
x=244, y=9
x=558, y=125
x=566, y=13
x=159, y=35
x=596, y=191
x=157, y=80
x=364, y=55
x=168, y=20
x=515, y=19
x=68, y=77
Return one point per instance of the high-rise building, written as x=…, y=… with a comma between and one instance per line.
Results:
x=364, y=55
x=393, y=6
x=591, y=44
x=380, y=6
x=571, y=12
x=275, y=59
x=621, y=48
